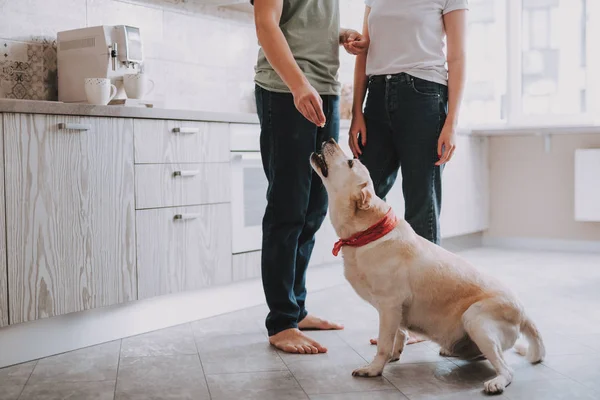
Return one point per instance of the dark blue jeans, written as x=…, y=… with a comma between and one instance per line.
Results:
x=404, y=117
x=296, y=201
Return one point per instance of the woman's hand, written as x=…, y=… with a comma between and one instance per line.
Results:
x=310, y=104
x=354, y=42
x=446, y=143
x=358, y=128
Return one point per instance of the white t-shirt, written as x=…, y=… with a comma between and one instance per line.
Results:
x=408, y=36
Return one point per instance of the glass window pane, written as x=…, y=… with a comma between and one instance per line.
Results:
x=554, y=64
x=486, y=63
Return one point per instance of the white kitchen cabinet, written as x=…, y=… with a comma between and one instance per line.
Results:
x=70, y=213
x=171, y=185
x=3, y=271
x=184, y=248
x=170, y=141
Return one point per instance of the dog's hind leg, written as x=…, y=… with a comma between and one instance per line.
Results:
x=492, y=334
x=389, y=321
x=399, y=343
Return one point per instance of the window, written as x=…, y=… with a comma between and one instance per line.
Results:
x=486, y=64
x=531, y=61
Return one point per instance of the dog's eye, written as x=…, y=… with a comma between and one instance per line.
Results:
x=350, y=163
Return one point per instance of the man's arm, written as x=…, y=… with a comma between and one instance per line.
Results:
x=267, y=14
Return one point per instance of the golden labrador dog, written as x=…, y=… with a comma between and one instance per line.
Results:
x=416, y=285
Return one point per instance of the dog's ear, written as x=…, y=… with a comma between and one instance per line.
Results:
x=364, y=200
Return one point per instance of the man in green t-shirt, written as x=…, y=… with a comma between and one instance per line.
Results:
x=297, y=97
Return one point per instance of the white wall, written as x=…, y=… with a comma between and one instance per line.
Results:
x=200, y=57
x=531, y=191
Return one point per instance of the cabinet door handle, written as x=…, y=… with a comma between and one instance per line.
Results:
x=74, y=126
x=183, y=129
x=183, y=217
x=185, y=174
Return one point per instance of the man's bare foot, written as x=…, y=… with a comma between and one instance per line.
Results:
x=294, y=341
x=313, y=323
x=412, y=339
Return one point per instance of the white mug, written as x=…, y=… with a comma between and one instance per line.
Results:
x=99, y=91
x=136, y=85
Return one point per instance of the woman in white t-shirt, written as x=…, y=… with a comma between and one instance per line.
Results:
x=410, y=116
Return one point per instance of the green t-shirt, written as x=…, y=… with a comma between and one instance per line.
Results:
x=311, y=28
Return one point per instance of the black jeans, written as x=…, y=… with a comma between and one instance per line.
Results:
x=296, y=201
x=404, y=117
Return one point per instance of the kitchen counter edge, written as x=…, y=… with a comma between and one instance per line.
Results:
x=87, y=110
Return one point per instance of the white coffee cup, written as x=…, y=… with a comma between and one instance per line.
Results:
x=99, y=91
x=137, y=85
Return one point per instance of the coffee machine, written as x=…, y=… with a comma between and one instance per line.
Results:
x=96, y=52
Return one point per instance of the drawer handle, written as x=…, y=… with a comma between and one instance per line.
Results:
x=74, y=127
x=184, y=129
x=184, y=217
x=185, y=174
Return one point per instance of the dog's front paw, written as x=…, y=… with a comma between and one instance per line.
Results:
x=496, y=385
x=368, y=371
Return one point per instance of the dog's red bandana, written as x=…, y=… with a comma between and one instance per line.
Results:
x=377, y=231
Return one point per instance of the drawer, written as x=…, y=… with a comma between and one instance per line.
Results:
x=169, y=185
x=246, y=265
x=181, y=249
x=167, y=141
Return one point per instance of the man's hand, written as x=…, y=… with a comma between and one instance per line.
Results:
x=446, y=144
x=353, y=42
x=309, y=103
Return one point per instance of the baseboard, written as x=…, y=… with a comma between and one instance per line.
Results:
x=37, y=339
x=463, y=242
x=542, y=244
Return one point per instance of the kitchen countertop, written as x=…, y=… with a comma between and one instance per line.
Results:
x=58, y=108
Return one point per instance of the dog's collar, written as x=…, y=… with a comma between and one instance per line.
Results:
x=377, y=231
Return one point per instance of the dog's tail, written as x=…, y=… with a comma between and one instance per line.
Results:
x=536, y=351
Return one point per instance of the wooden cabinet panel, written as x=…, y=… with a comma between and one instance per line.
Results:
x=182, y=249
x=3, y=272
x=70, y=213
x=171, y=185
x=159, y=141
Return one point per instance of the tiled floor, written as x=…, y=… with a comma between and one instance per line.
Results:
x=228, y=357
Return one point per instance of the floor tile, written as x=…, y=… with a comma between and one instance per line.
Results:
x=331, y=376
x=433, y=379
x=523, y=369
x=550, y=390
x=278, y=385
x=583, y=368
x=162, y=377
x=228, y=324
x=372, y=395
x=165, y=342
x=591, y=341
x=238, y=353
x=10, y=392
x=17, y=374
x=97, y=363
x=471, y=394
x=104, y=390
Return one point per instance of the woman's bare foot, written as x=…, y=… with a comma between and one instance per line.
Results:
x=294, y=341
x=313, y=323
x=412, y=339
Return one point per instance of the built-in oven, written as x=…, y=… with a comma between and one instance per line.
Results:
x=248, y=188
